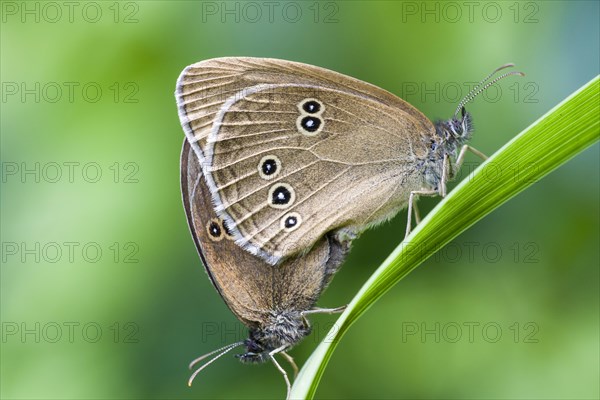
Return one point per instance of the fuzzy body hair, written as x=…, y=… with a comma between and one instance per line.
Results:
x=284, y=328
x=450, y=136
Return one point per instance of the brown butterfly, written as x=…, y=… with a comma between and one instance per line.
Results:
x=292, y=152
x=272, y=301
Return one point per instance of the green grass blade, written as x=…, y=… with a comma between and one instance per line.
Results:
x=562, y=133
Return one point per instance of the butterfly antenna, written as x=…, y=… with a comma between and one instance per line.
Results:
x=224, y=350
x=479, y=88
x=500, y=68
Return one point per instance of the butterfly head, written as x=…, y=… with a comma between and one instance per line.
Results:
x=282, y=331
x=453, y=133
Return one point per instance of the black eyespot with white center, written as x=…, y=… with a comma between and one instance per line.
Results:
x=311, y=121
x=291, y=221
x=311, y=107
x=310, y=124
x=281, y=195
x=215, y=230
x=269, y=167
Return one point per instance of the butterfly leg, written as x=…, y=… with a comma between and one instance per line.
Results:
x=463, y=153
x=285, y=376
x=319, y=310
x=446, y=173
x=290, y=359
x=411, y=205
x=417, y=213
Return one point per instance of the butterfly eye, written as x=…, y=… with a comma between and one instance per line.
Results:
x=269, y=167
x=281, y=195
x=291, y=222
x=214, y=230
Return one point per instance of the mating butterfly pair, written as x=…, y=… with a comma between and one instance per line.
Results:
x=283, y=165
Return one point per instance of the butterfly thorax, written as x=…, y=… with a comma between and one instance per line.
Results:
x=282, y=329
x=450, y=136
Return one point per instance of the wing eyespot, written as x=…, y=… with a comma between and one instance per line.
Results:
x=269, y=167
x=309, y=125
x=290, y=222
x=311, y=106
x=310, y=122
x=215, y=230
x=281, y=195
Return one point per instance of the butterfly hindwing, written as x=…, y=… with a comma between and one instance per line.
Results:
x=340, y=175
x=291, y=152
x=251, y=287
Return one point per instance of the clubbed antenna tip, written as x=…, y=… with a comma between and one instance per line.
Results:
x=484, y=84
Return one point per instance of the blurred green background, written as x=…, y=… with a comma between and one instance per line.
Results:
x=102, y=293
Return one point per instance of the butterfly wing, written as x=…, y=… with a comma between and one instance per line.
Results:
x=250, y=287
x=202, y=89
x=340, y=149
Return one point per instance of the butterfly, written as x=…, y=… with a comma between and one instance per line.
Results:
x=273, y=302
x=292, y=152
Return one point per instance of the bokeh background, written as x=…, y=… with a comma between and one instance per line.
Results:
x=102, y=293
